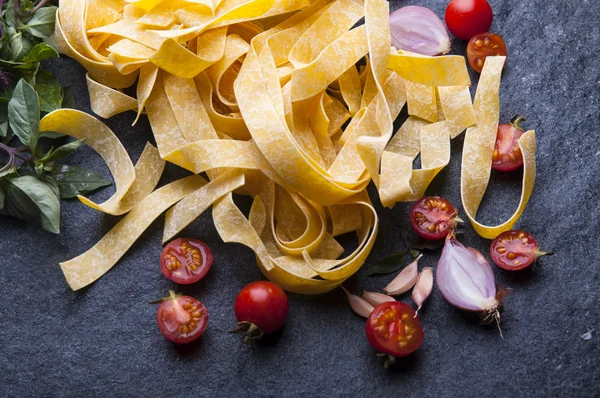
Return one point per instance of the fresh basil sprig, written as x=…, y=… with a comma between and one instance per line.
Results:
x=31, y=181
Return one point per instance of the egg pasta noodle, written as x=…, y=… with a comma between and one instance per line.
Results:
x=271, y=99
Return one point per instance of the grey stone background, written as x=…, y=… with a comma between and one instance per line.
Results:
x=103, y=341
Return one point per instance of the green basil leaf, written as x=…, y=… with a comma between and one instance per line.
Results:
x=68, y=98
x=418, y=244
x=49, y=91
x=24, y=113
x=62, y=151
x=7, y=172
x=44, y=197
x=41, y=25
x=39, y=168
x=3, y=129
x=5, y=52
x=16, y=45
x=10, y=16
x=51, y=184
x=73, y=180
x=51, y=41
x=40, y=52
x=18, y=205
x=388, y=265
x=415, y=253
x=51, y=135
x=20, y=46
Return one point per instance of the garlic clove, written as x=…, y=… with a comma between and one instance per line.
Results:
x=377, y=298
x=405, y=280
x=358, y=304
x=423, y=287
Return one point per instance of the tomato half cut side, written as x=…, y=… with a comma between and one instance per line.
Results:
x=507, y=155
x=181, y=319
x=482, y=46
x=432, y=217
x=186, y=260
x=515, y=250
x=393, y=329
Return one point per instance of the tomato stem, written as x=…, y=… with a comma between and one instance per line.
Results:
x=516, y=121
x=172, y=296
x=452, y=226
x=388, y=359
x=540, y=254
x=251, y=332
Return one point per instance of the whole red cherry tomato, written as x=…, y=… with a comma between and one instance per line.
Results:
x=185, y=260
x=181, y=319
x=466, y=18
x=260, y=308
x=394, y=329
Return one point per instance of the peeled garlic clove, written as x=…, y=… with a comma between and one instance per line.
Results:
x=358, y=304
x=423, y=287
x=405, y=280
x=377, y=298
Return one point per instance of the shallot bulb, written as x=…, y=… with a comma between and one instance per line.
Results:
x=419, y=30
x=466, y=281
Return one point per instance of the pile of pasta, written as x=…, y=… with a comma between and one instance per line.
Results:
x=289, y=101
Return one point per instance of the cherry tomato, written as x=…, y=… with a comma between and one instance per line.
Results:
x=263, y=304
x=432, y=217
x=507, y=154
x=392, y=328
x=466, y=18
x=181, y=319
x=186, y=261
x=515, y=250
x=482, y=46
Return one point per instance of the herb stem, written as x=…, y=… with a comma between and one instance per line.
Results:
x=40, y=5
x=18, y=10
x=12, y=152
x=28, y=13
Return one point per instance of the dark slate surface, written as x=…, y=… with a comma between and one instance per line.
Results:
x=103, y=341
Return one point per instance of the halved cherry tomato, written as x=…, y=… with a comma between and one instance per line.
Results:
x=181, y=319
x=393, y=328
x=185, y=260
x=515, y=250
x=482, y=46
x=262, y=305
x=507, y=154
x=466, y=18
x=432, y=216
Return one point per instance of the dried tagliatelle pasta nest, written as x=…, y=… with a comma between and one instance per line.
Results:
x=283, y=100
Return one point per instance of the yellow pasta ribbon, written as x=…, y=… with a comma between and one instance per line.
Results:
x=271, y=100
x=479, y=147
